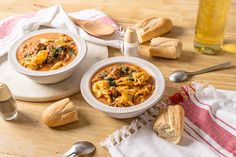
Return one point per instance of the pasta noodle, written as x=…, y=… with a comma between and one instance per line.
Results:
x=122, y=85
x=140, y=77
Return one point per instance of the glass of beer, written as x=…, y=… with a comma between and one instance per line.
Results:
x=210, y=26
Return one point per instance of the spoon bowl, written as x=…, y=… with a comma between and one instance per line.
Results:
x=178, y=76
x=82, y=148
x=95, y=28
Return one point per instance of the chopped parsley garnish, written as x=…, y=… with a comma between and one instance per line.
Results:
x=56, y=51
x=72, y=52
x=125, y=70
x=103, y=75
x=27, y=55
x=111, y=81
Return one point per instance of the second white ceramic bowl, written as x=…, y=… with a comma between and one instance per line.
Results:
x=53, y=76
x=123, y=112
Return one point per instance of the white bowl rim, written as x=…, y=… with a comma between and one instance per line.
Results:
x=80, y=43
x=85, y=85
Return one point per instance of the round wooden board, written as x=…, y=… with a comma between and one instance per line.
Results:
x=25, y=89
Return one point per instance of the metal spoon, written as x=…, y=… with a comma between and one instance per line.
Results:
x=82, y=148
x=181, y=75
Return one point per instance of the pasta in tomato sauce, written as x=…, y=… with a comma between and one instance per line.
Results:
x=48, y=51
x=122, y=85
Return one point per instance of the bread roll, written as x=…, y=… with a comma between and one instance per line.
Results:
x=169, y=124
x=165, y=47
x=152, y=27
x=60, y=113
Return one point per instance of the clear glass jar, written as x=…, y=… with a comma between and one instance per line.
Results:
x=8, y=110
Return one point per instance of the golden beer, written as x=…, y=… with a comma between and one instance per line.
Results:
x=211, y=21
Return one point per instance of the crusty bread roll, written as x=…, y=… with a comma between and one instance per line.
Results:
x=165, y=47
x=152, y=27
x=60, y=113
x=169, y=124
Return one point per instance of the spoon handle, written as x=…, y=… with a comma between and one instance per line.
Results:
x=69, y=153
x=73, y=155
x=216, y=67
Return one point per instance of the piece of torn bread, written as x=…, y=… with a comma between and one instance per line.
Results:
x=152, y=27
x=165, y=47
x=60, y=113
x=170, y=123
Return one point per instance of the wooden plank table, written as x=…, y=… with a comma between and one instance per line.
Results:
x=28, y=137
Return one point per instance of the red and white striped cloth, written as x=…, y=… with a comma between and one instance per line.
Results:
x=210, y=116
x=209, y=130
x=12, y=28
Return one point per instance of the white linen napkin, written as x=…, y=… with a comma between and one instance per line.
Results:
x=209, y=130
x=12, y=28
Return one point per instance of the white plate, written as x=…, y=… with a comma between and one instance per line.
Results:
x=123, y=112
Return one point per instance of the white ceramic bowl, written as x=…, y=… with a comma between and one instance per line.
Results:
x=123, y=112
x=54, y=76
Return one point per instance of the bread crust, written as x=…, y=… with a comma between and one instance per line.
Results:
x=170, y=123
x=60, y=113
x=152, y=27
x=165, y=47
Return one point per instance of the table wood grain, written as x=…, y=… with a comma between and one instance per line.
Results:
x=28, y=137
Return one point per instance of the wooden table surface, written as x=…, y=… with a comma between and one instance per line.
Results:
x=28, y=137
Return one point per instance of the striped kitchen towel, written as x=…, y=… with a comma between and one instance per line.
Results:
x=210, y=116
x=12, y=28
x=209, y=130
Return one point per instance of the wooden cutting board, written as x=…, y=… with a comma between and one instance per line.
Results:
x=25, y=89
